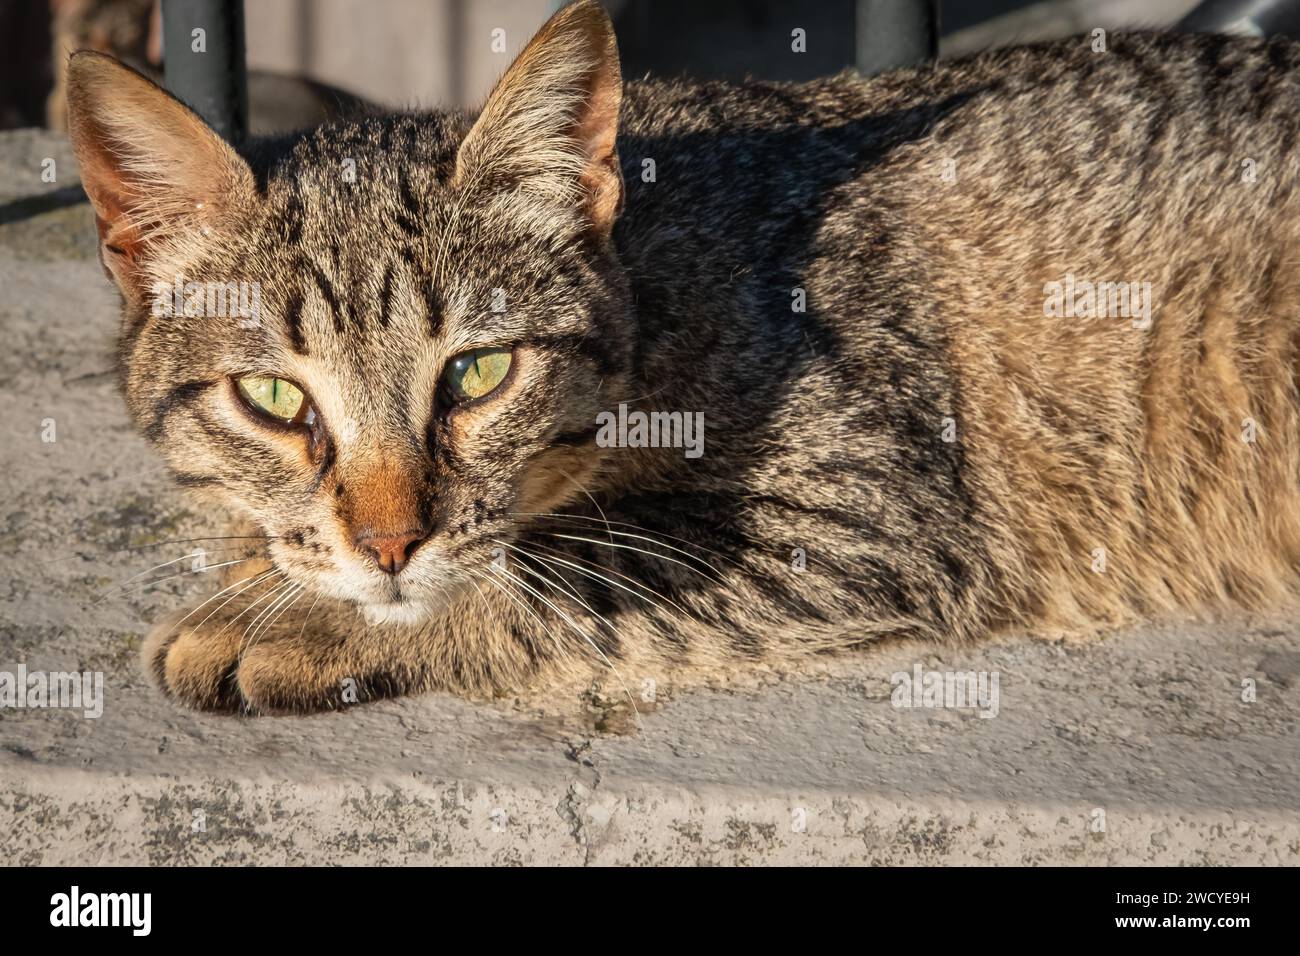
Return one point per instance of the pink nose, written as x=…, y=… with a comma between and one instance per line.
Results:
x=391, y=552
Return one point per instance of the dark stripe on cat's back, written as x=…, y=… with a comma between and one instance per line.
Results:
x=1216, y=78
x=386, y=296
x=1161, y=98
x=859, y=523
x=1282, y=61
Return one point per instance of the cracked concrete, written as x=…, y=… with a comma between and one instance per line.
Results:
x=1136, y=749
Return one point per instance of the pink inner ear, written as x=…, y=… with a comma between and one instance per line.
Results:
x=118, y=239
x=151, y=167
x=110, y=192
x=598, y=129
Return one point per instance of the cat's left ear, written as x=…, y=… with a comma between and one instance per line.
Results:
x=159, y=178
x=551, y=124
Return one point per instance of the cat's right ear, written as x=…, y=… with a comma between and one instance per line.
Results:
x=159, y=179
x=550, y=126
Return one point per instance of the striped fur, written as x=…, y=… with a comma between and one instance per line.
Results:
x=921, y=452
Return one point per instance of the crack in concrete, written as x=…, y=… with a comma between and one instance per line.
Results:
x=571, y=807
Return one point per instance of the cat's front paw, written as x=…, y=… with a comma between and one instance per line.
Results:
x=216, y=664
x=195, y=661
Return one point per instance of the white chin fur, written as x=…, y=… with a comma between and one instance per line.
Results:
x=405, y=613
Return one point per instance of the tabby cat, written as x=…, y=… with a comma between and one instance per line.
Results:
x=1007, y=343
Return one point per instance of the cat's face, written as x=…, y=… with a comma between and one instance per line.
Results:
x=394, y=404
x=390, y=351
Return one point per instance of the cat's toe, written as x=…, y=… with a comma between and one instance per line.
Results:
x=194, y=665
x=283, y=679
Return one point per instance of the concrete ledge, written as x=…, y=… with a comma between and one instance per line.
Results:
x=76, y=818
x=1147, y=730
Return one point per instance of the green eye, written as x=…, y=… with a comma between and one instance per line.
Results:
x=474, y=374
x=275, y=397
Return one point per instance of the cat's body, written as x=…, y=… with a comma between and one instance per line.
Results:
x=846, y=278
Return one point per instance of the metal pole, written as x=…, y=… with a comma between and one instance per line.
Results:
x=204, y=63
x=892, y=34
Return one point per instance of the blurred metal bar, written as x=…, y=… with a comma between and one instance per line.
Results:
x=1261, y=18
x=892, y=34
x=207, y=70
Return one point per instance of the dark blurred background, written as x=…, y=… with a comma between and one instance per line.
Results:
x=309, y=57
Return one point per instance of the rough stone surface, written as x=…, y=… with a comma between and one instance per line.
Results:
x=1148, y=727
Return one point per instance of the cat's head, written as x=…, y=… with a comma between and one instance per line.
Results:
x=387, y=341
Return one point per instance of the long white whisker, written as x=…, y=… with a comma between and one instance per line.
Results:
x=274, y=589
x=590, y=498
x=653, y=554
x=563, y=588
x=314, y=601
x=284, y=609
x=270, y=618
x=583, y=571
x=562, y=557
x=627, y=524
x=167, y=544
x=192, y=555
x=504, y=588
x=606, y=569
x=577, y=630
x=123, y=589
x=281, y=593
x=477, y=575
x=248, y=582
